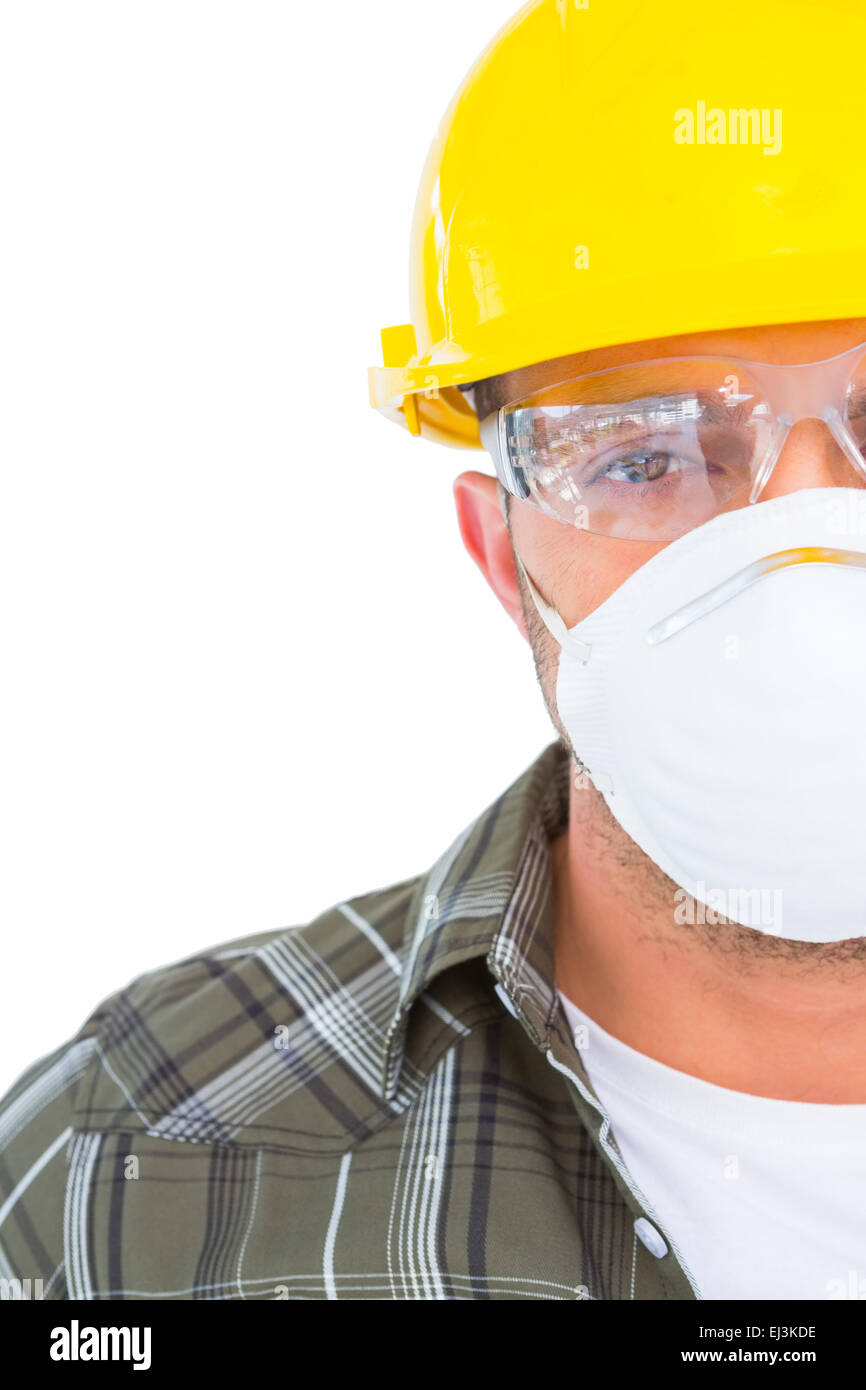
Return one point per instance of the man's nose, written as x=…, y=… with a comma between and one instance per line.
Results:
x=811, y=457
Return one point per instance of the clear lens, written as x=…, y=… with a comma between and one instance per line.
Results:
x=645, y=452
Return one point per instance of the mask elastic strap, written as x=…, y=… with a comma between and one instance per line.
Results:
x=553, y=622
x=549, y=616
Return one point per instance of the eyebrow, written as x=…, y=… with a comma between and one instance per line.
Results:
x=490, y=393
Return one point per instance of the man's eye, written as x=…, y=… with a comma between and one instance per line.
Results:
x=640, y=467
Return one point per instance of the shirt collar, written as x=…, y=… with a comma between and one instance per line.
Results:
x=491, y=894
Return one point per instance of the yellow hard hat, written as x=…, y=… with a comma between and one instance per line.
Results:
x=611, y=171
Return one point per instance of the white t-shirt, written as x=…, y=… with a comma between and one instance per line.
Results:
x=763, y=1198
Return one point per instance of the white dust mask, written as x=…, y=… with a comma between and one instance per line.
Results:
x=718, y=702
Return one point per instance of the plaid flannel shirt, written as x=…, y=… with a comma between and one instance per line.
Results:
x=386, y=1102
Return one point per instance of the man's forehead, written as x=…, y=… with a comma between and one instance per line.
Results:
x=794, y=342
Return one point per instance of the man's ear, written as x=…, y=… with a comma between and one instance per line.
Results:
x=486, y=538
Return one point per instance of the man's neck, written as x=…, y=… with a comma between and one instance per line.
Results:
x=726, y=1003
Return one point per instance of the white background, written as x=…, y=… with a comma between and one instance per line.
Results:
x=248, y=669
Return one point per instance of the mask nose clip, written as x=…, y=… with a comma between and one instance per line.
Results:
x=736, y=583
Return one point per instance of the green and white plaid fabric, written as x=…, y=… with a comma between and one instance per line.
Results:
x=384, y=1103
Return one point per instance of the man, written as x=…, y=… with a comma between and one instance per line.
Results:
x=608, y=1047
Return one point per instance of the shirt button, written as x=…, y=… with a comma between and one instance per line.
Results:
x=650, y=1237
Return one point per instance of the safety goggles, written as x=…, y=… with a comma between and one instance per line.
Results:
x=651, y=450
